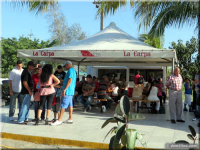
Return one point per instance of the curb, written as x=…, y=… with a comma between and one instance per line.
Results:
x=56, y=141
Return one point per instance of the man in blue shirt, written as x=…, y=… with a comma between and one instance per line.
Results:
x=68, y=88
x=187, y=95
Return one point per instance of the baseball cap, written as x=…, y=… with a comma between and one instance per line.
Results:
x=89, y=76
x=67, y=62
x=31, y=63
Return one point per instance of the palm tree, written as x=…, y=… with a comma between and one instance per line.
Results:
x=34, y=5
x=156, y=42
x=159, y=15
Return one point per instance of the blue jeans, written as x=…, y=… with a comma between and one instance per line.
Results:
x=13, y=103
x=24, y=109
x=82, y=101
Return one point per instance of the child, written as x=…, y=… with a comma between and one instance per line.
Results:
x=187, y=95
x=56, y=103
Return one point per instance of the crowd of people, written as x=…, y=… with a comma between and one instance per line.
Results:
x=56, y=92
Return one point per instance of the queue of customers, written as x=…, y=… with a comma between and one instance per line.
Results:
x=56, y=90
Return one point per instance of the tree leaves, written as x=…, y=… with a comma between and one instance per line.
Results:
x=190, y=137
x=192, y=130
x=111, y=142
x=110, y=120
x=10, y=46
x=120, y=131
x=125, y=105
x=113, y=129
x=118, y=110
x=187, y=58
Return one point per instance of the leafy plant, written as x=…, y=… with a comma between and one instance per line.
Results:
x=124, y=138
x=191, y=136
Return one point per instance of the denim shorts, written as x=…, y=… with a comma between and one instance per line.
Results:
x=67, y=101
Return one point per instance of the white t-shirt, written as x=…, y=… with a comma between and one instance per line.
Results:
x=115, y=91
x=15, y=77
x=153, y=94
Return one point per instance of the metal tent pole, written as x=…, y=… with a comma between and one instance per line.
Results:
x=172, y=65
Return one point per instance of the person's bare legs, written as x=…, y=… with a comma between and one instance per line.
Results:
x=39, y=113
x=62, y=110
x=55, y=115
x=48, y=113
x=58, y=115
x=70, y=113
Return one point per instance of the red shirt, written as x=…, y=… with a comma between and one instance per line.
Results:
x=97, y=86
x=35, y=78
x=136, y=78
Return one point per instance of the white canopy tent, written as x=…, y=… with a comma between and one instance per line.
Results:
x=109, y=47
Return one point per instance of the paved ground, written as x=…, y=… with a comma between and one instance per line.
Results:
x=11, y=144
x=87, y=127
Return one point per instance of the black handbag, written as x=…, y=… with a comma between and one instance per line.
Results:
x=162, y=110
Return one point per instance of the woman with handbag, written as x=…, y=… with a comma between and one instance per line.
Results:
x=46, y=90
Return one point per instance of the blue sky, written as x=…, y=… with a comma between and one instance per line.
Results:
x=18, y=22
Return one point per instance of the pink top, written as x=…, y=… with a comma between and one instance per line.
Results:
x=160, y=89
x=47, y=91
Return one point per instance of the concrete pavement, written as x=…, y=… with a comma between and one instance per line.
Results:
x=86, y=129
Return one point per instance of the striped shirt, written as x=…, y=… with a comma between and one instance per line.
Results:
x=174, y=82
x=103, y=86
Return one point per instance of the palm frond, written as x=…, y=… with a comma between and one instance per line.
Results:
x=34, y=6
x=176, y=15
x=158, y=15
x=110, y=7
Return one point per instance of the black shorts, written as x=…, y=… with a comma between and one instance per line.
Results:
x=56, y=108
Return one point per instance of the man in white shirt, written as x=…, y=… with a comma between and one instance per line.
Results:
x=15, y=87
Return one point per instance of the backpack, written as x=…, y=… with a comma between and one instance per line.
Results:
x=140, y=80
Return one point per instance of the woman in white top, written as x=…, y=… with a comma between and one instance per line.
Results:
x=152, y=96
x=115, y=94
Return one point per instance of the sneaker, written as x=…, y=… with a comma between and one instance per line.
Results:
x=190, y=110
x=194, y=119
x=85, y=110
x=34, y=120
x=56, y=123
x=69, y=121
x=42, y=120
x=185, y=109
x=103, y=108
x=53, y=120
x=11, y=118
